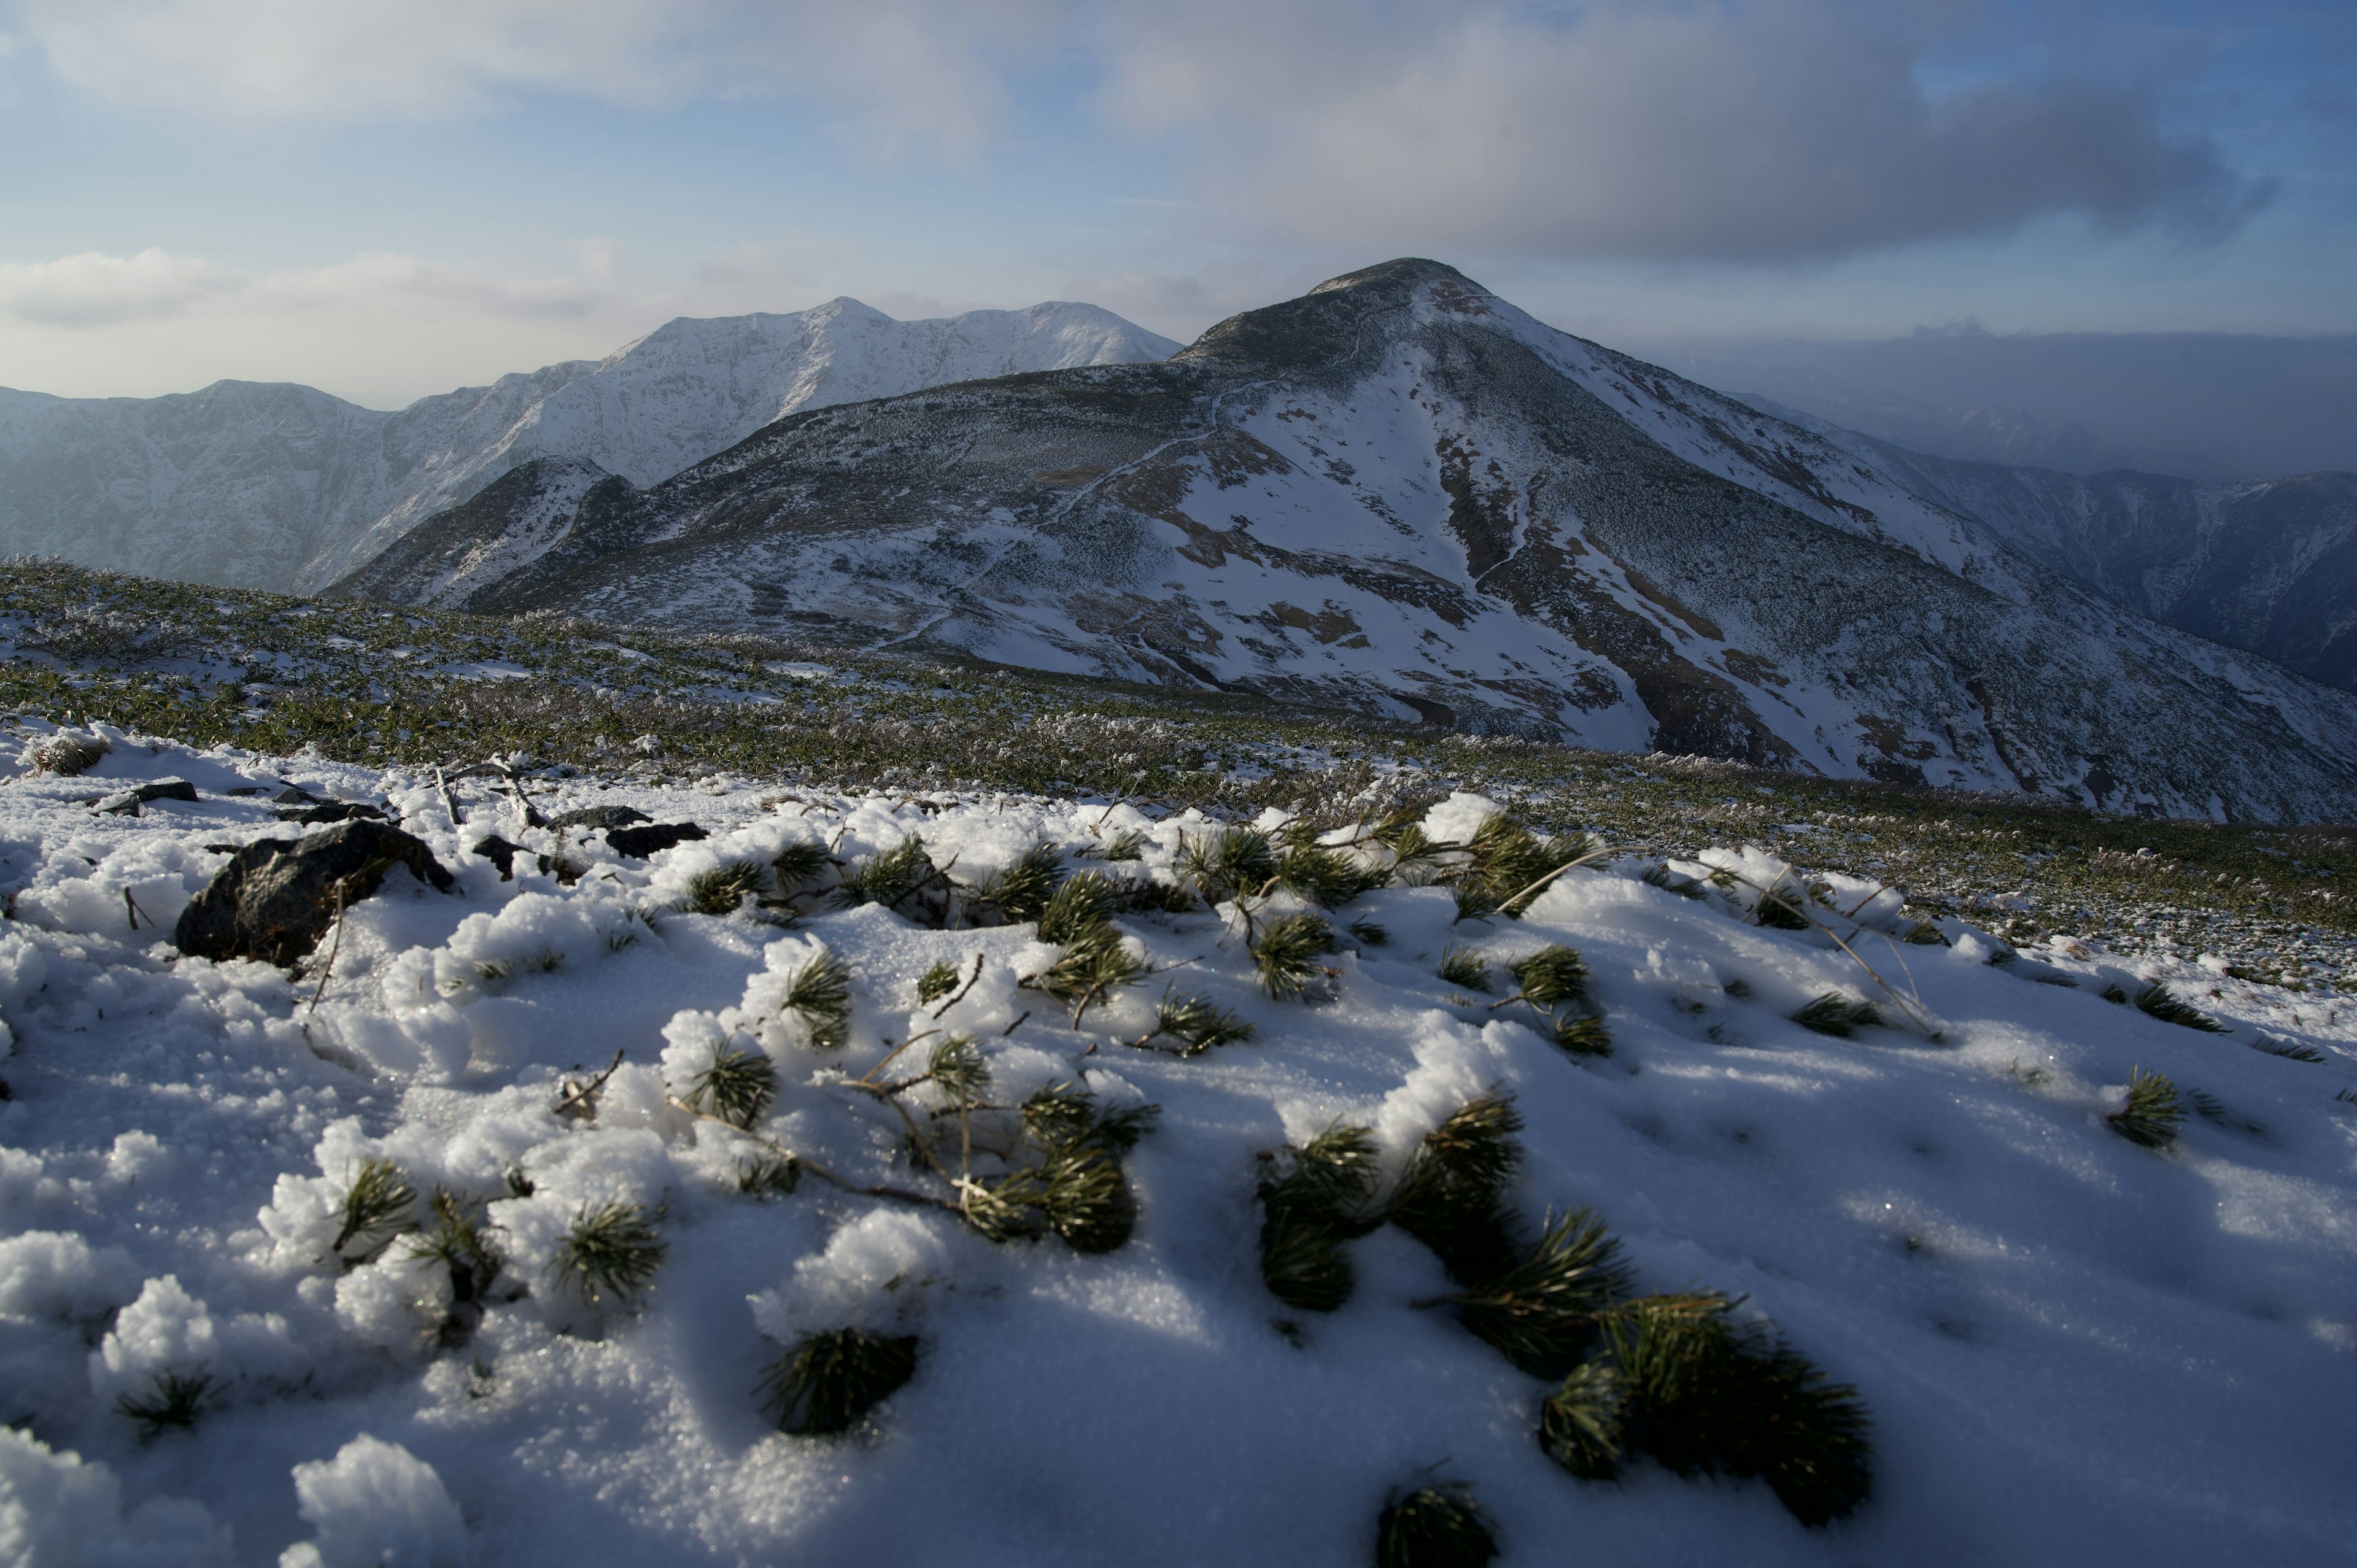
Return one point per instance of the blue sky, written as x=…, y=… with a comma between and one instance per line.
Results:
x=391, y=198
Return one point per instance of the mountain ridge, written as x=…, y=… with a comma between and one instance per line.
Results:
x=276, y=485
x=1399, y=492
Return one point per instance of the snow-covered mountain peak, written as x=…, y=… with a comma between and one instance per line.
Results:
x=274, y=485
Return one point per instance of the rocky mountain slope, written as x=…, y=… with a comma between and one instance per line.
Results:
x=255, y=485
x=2270, y=567
x=1401, y=493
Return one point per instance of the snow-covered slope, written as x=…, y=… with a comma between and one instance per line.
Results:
x=2074, y=1349
x=2269, y=568
x=282, y=486
x=1401, y=493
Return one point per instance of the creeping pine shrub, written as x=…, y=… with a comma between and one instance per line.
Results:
x=737, y=1086
x=1129, y=843
x=1196, y=1022
x=2165, y=1005
x=1506, y=867
x=1287, y=952
x=456, y=1242
x=798, y=866
x=1462, y=966
x=1834, y=1014
x=1452, y=1195
x=1554, y=982
x=1541, y=1311
x=2152, y=1116
x=173, y=1401
x=1235, y=862
x=1080, y=904
x=1681, y=1381
x=936, y=983
x=819, y=993
x=1435, y=1527
x=899, y=879
x=723, y=888
x=377, y=1205
x=768, y=1176
x=1327, y=876
x=1023, y=891
x=1313, y=1200
x=1094, y=964
x=1076, y=1188
x=829, y=1380
x=609, y=1255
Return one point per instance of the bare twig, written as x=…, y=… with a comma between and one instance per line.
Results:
x=969, y=986
x=580, y=1100
x=1913, y=1009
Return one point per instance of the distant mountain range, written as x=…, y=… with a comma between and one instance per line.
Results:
x=1401, y=493
x=276, y=485
x=1398, y=492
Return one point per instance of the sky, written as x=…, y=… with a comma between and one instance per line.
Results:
x=390, y=197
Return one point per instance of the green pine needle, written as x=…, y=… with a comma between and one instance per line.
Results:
x=768, y=1176
x=173, y=1401
x=377, y=1206
x=456, y=1242
x=1129, y=843
x=1198, y=1023
x=1096, y=962
x=1023, y=893
x=723, y=888
x=1288, y=950
x=1709, y=1397
x=1542, y=1312
x=798, y=864
x=1834, y=1014
x=1580, y=1425
x=1464, y=967
x=1235, y=862
x=957, y=1070
x=829, y=1380
x=2152, y=1116
x=1310, y=1211
x=1079, y=906
x=1552, y=976
x=892, y=878
x=1086, y=1198
x=1583, y=1035
x=936, y=983
x=1780, y=908
x=1435, y=1527
x=2165, y=1005
x=1324, y=875
x=819, y=994
x=609, y=1255
x=737, y=1086
x=1452, y=1196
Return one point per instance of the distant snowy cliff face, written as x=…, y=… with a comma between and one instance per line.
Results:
x=267, y=485
x=1402, y=494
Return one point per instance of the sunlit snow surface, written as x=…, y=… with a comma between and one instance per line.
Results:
x=2076, y=1350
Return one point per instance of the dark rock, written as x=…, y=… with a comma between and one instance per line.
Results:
x=250, y=789
x=640, y=842
x=333, y=812
x=295, y=795
x=597, y=818
x=276, y=898
x=127, y=802
x=502, y=853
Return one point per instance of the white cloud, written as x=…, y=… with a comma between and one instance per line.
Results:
x=94, y=290
x=1727, y=132
x=901, y=71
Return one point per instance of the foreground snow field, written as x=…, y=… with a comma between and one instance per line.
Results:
x=2074, y=1348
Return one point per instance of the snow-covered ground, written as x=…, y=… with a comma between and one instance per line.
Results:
x=2075, y=1350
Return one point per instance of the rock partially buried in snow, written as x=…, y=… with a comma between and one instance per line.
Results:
x=599, y=818
x=276, y=898
x=127, y=802
x=640, y=842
